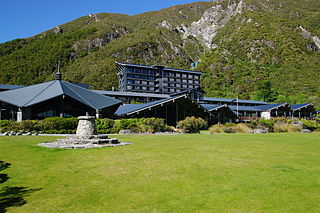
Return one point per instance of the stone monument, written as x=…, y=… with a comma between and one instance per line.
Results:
x=86, y=137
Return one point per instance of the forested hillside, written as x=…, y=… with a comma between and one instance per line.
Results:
x=262, y=49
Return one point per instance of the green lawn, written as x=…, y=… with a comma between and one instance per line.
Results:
x=170, y=173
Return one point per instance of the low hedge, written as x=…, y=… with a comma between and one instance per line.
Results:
x=57, y=125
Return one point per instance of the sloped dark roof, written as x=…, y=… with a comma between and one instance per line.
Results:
x=131, y=94
x=31, y=95
x=295, y=107
x=211, y=107
x=132, y=108
x=245, y=108
x=7, y=86
x=233, y=100
x=270, y=106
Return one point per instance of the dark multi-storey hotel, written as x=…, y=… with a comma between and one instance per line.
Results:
x=156, y=79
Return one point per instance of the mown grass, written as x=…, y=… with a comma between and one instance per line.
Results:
x=169, y=173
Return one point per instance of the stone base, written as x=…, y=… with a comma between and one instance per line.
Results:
x=59, y=145
x=84, y=142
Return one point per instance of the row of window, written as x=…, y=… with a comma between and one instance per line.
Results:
x=140, y=70
x=180, y=75
x=181, y=80
x=152, y=89
x=145, y=77
x=185, y=81
x=164, y=73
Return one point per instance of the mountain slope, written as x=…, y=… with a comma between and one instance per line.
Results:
x=262, y=49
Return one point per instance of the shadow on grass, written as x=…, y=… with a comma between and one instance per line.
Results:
x=11, y=196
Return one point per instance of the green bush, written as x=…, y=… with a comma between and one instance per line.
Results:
x=58, y=123
x=266, y=123
x=218, y=128
x=311, y=125
x=278, y=128
x=192, y=125
x=105, y=123
x=156, y=124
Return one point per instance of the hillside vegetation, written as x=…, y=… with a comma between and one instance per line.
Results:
x=261, y=49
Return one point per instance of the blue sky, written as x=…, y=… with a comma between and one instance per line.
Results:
x=25, y=18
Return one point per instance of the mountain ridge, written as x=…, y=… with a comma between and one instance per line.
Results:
x=245, y=48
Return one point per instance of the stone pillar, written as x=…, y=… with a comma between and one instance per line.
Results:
x=98, y=114
x=19, y=115
x=86, y=126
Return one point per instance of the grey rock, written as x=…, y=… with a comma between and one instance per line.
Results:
x=305, y=131
x=212, y=20
x=165, y=24
x=125, y=131
x=260, y=131
x=57, y=30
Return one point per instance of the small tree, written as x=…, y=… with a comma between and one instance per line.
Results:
x=192, y=125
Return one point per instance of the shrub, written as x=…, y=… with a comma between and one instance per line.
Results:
x=218, y=128
x=311, y=125
x=192, y=125
x=278, y=128
x=242, y=128
x=266, y=123
x=125, y=123
x=58, y=123
x=105, y=123
x=156, y=124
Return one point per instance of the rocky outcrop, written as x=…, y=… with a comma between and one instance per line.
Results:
x=315, y=45
x=91, y=15
x=212, y=20
x=57, y=30
x=165, y=24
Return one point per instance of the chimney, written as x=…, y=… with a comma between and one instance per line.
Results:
x=58, y=75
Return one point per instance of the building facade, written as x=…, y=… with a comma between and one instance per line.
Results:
x=155, y=79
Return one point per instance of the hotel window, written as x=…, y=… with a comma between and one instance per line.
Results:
x=171, y=74
x=137, y=70
x=130, y=81
x=190, y=86
x=151, y=72
x=178, y=75
x=129, y=87
x=172, y=79
x=165, y=74
x=151, y=88
x=190, y=81
x=171, y=90
x=184, y=75
x=151, y=83
x=178, y=80
x=190, y=76
x=151, y=78
x=184, y=81
x=196, y=77
x=196, y=82
x=178, y=85
x=184, y=86
x=144, y=88
x=129, y=69
x=144, y=71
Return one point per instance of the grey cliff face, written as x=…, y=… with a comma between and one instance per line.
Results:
x=212, y=20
